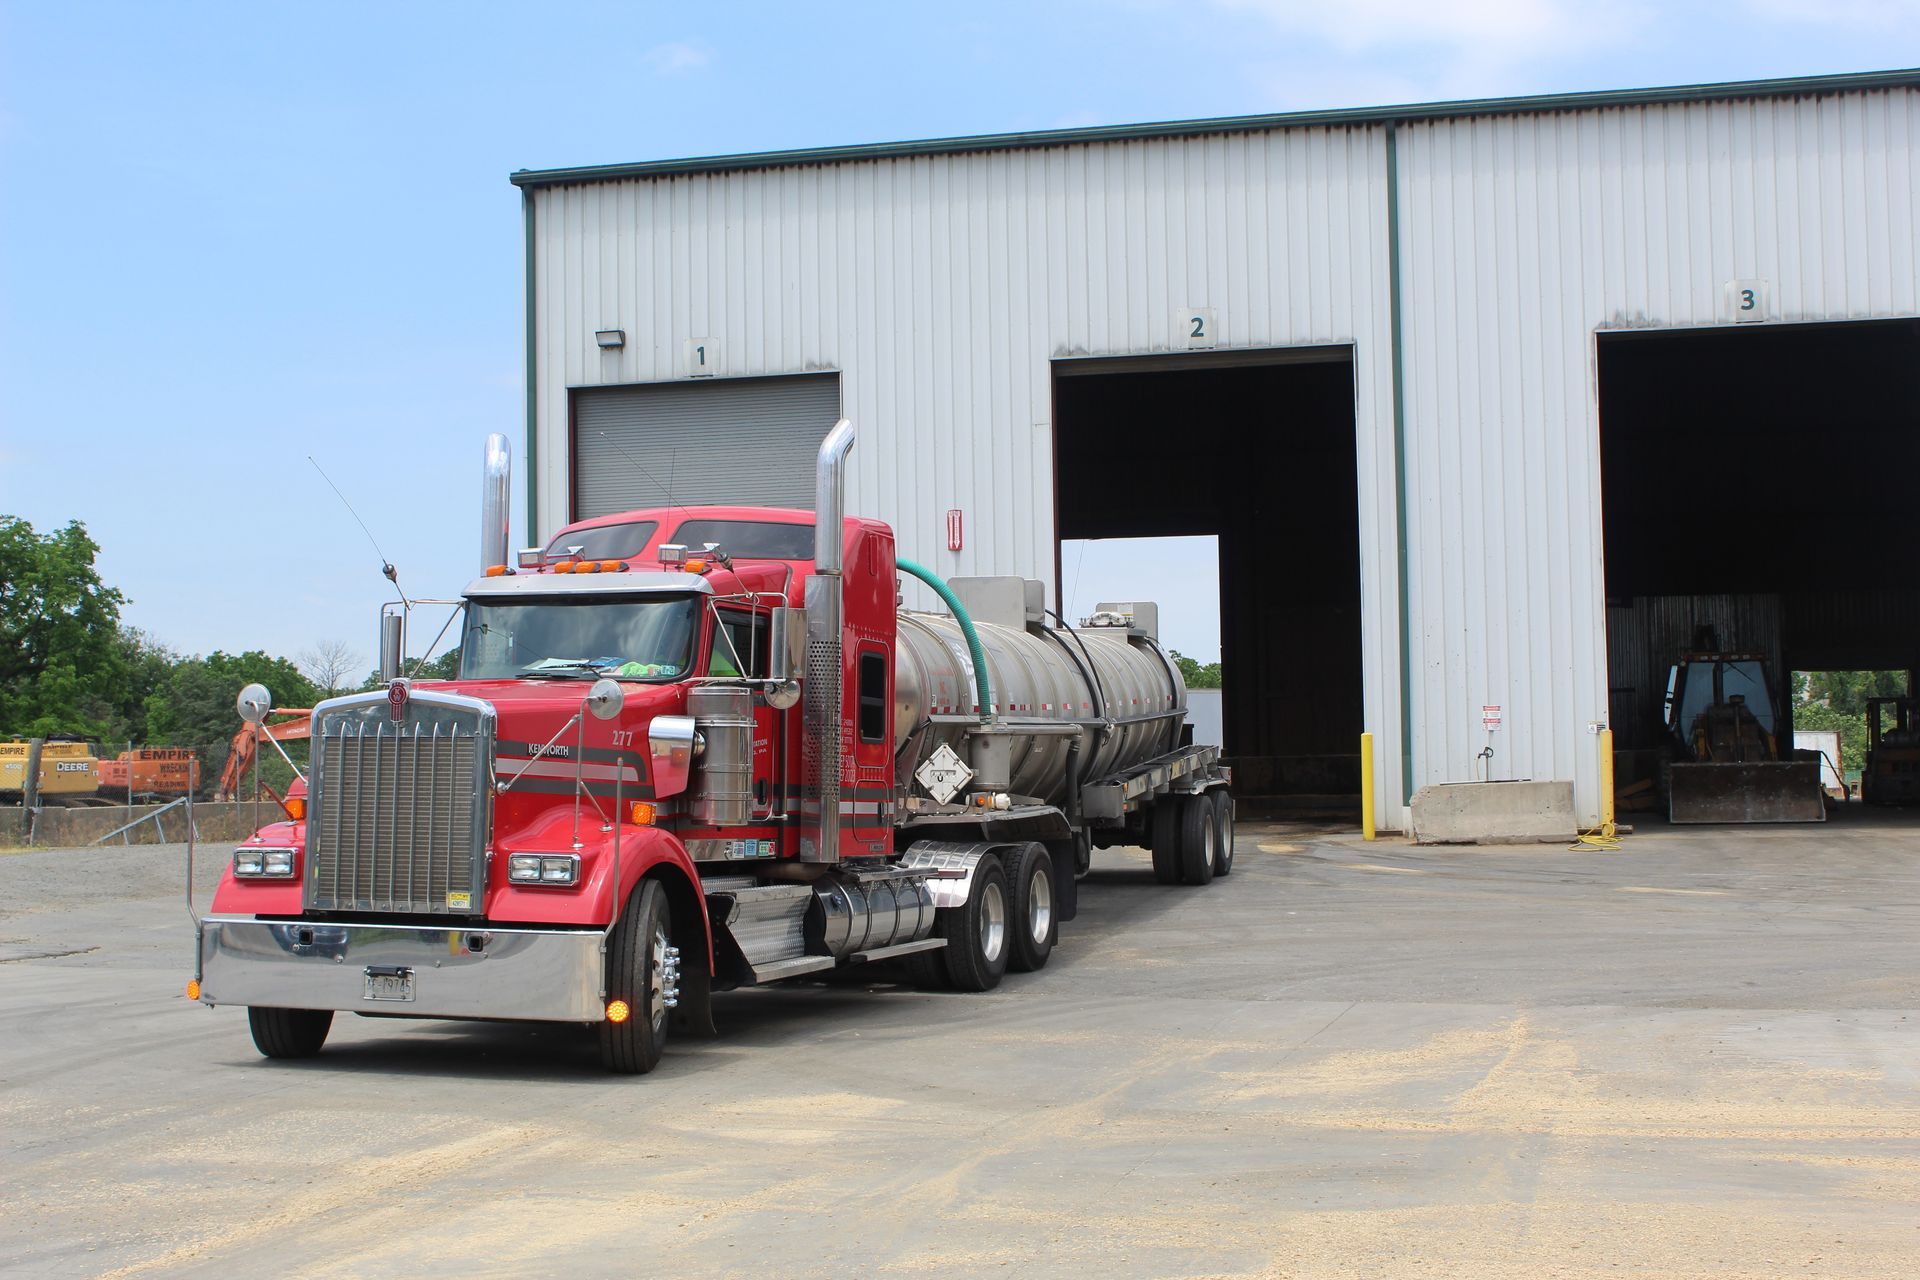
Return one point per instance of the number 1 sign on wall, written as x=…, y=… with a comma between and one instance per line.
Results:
x=703, y=357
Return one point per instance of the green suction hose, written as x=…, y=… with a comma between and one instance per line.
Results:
x=940, y=588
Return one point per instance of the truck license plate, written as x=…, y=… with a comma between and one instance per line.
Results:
x=389, y=982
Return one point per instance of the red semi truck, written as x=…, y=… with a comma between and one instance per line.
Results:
x=670, y=767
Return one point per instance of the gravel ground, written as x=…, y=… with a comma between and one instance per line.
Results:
x=1697, y=1056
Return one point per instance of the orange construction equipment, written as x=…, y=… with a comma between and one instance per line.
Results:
x=291, y=724
x=150, y=771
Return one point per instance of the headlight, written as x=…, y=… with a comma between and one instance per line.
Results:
x=263, y=864
x=558, y=869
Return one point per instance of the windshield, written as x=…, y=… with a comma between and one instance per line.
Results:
x=749, y=539
x=603, y=542
x=1745, y=680
x=650, y=639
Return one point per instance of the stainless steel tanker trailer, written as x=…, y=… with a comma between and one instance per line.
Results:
x=691, y=749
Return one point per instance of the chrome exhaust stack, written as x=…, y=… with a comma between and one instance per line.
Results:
x=821, y=695
x=829, y=499
x=495, y=504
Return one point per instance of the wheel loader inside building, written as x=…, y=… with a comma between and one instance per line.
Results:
x=1729, y=766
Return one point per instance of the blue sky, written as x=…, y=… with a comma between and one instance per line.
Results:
x=235, y=235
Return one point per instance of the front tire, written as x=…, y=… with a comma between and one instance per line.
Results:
x=642, y=968
x=289, y=1033
x=1035, y=918
x=978, y=942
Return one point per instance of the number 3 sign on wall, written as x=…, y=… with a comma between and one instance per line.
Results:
x=1747, y=299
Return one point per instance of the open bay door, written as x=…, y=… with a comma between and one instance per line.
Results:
x=737, y=441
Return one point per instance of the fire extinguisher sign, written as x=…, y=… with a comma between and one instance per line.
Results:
x=954, y=540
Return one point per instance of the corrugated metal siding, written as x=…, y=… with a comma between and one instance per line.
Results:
x=941, y=287
x=1521, y=236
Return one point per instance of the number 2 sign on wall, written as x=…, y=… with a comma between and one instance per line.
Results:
x=1195, y=324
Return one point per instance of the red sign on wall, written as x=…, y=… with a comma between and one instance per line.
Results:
x=954, y=539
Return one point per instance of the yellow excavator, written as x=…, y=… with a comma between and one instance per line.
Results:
x=1727, y=725
x=69, y=771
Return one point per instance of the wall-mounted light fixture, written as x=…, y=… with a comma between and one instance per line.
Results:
x=610, y=339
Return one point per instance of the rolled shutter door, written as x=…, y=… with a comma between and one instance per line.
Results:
x=740, y=441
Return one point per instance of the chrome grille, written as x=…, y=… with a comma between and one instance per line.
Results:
x=397, y=813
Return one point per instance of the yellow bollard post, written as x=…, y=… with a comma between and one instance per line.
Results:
x=1606, y=782
x=1366, y=786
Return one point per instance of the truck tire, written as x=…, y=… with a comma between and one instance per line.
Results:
x=1197, y=829
x=1222, y=831
x=1166, y=840
x=289, y=1033
x=977, y=933
x=1034, y=917
x=637, y=973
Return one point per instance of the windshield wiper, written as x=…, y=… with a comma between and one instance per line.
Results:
x=570, y=669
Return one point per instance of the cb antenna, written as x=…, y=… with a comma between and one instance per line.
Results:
x=666, y=488
x=386, y=566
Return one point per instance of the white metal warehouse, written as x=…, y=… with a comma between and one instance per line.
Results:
x=1487, y=401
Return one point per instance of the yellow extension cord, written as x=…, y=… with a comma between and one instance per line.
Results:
x=1604, y=837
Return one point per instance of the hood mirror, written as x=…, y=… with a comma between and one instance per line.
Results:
x=254, y=703
x=606, y=699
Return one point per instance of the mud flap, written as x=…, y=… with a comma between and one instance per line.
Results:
x=694, y=1014
x=1066, y=885
x=1785, y=791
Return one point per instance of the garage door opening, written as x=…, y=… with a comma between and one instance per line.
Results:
x=1256, y=450
x=1754, y=501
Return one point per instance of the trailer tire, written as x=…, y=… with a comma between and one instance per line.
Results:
x=1223, y=807
x=636, y=972
x=1034, y=900
x=1166, y=840
x=1197, y=828
x=978, y=931
x=288, y=1033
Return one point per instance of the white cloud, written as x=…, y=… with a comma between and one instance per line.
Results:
x=676, y=58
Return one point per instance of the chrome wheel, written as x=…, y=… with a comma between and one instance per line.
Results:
x=663, y=974
x=1040, y=906
x=993, y=922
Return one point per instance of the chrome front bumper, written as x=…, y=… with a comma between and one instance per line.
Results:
x=480, y=972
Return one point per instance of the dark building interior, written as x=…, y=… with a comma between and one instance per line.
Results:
x=1758, y=480
x=1261, y=455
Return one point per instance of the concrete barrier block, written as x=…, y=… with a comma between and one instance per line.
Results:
x=1494, y=813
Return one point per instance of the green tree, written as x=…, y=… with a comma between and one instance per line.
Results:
x=195, y=708
x=1837, y=700
x=1196, y=675
x=60, y=651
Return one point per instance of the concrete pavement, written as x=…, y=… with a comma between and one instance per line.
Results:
x=1698, y=1056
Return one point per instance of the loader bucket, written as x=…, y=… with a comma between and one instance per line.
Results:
x=1785, y=791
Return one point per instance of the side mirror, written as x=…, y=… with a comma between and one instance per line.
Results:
x=393, y=642
x=787, y=645
x=674, y=742
x=254, y=703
